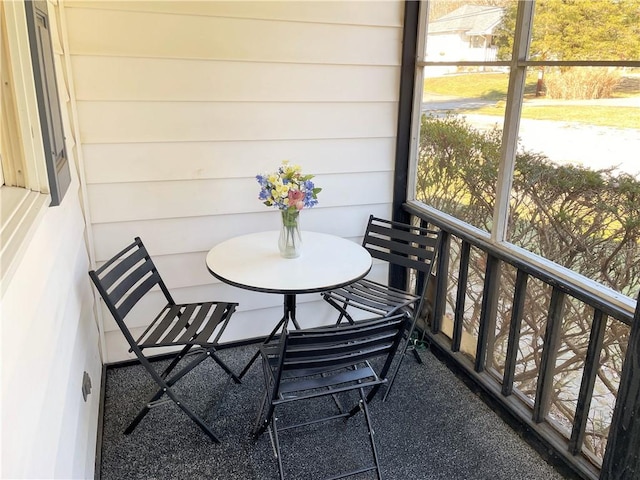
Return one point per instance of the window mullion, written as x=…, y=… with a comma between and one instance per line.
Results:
x=417, y=100
x=515, y=94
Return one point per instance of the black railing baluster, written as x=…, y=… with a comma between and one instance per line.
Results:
x=515, y=325
x=622, y=457
x=463, y=274
x=487, y=328
x=441, y=285
x=552, y=337
x=591, y=365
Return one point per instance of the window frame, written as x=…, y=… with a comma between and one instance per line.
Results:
x=43, y=63
x=517, y=72
x=24, y=91
x=23, y=205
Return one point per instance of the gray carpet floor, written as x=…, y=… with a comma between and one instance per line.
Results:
x=432, y=427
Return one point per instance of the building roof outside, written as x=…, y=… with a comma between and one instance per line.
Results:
x=470, y=19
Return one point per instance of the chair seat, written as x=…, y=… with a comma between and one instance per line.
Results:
x=373, y=297
x=186, y=324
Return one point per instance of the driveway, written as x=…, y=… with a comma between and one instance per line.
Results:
x=563, y=142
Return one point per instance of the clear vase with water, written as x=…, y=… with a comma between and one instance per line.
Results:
x=290, y=240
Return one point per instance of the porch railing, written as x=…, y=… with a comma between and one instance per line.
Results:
x=472, y=347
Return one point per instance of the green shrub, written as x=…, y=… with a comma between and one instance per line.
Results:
x=583, y=219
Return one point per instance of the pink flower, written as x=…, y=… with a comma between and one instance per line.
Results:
x=296, y=199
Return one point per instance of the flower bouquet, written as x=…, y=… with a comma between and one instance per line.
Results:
x=290, y=191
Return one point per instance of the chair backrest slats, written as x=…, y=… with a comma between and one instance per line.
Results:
x=125, y=287
x=412, y=249
x=423, y=265
x=342, y=346
x=339, y=348
x=336, y=361
x=134, y=297
x=334, y=335
x=421, y=236
x=125, y=278
x=123, y=266
x=400, y=244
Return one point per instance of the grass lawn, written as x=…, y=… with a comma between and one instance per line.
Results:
x=487, y=86
x=493, y=86
x=619, y=117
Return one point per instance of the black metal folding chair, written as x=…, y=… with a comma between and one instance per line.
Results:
x=312, y=363
x=399, y=244
x=122, y=282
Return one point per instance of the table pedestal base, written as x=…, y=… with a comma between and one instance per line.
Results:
x=289, y=315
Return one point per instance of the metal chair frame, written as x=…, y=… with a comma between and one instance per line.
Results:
x=317, y=362
x=399, y=244
x=122, y=282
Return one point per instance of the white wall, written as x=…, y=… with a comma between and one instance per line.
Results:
x=181, y=104
x=49, y=336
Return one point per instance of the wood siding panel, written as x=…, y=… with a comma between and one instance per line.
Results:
x=385, y=13
x=142, y=34
x=181, y=104
x=137, y=79
x=148, y=162
x=179, y=199
x=199, y=234
x=121, y=122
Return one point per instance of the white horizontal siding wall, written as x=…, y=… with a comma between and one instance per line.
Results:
x=49, y=334
x=181, y=104
x=49, y=338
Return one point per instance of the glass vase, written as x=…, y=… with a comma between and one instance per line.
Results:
x=290, y=240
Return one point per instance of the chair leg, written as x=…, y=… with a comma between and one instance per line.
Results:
x=262, y=421
x=402, y=354
x=276, y=441
x=365, y=410
x=175, y=361
x=143, y=412
x=392, y=378
x=416, y=355
x=164, y=385
x=341, y=308
x=203, y=426
x=228, y=371
x=344, y=314
x=165, y=388
x=155, y=401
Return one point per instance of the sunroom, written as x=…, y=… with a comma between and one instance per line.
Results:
x=152, y=119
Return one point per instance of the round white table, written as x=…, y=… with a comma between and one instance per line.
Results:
x=253, y=262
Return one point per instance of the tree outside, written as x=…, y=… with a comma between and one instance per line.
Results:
x=566, y=30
